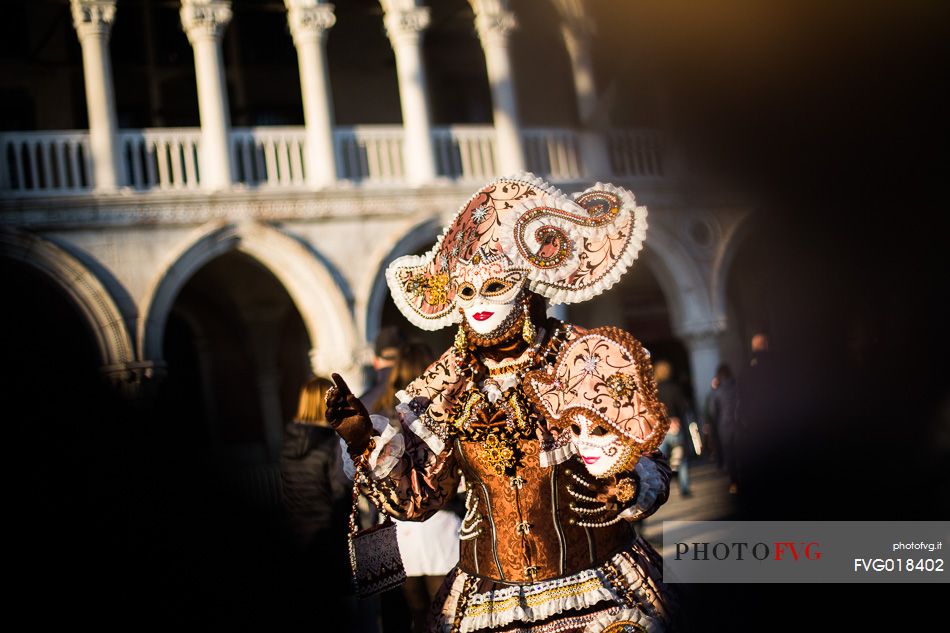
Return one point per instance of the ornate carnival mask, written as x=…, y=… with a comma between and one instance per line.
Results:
x=602, y=390
x=514, y=233
x=487, y=292
x=603, y=452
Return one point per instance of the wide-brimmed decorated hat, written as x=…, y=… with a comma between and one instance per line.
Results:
x=570, y=247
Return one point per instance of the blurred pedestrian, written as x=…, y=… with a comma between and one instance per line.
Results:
x=316, y=496
x=710, y=428
x=756, y=407
x=677, y=443
x=385, y=354
x=722, y=415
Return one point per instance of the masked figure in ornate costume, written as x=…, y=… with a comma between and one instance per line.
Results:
x=554, y=428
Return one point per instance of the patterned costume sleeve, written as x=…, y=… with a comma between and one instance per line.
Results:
x=431, y=395
x=413, y=468
x=420, y=483
x=654, y=473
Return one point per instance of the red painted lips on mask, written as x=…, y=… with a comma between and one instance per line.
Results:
x=481, y=316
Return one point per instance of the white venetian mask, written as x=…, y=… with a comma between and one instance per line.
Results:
x=603, y=452
x=488, y=294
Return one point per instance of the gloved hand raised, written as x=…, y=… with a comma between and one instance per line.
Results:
x=348, y=417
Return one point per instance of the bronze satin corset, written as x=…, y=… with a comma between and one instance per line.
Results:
x=522, y=526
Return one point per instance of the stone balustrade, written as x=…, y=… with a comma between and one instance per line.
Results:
x=168, y=159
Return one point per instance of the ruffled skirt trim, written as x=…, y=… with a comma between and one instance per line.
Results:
x=630, y=580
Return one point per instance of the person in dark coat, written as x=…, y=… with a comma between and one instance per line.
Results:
x=758, y=409
x=317, y=498
x=723, y=416
x=671, y=394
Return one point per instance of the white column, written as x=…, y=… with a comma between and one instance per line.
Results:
x=703, y=347
x=204, y=22
x=405, y=23
x=309, y=21
x=494, y=22
x=93, y=22
x=577, y=30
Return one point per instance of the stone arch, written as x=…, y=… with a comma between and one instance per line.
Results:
x=311, y=287
x=732, y=239
x=682, y=282
x=82, y=286
x=695, y=320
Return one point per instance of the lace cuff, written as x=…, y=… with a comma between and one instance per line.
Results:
x=413, y=416
x=390, y=445
x=651, y=482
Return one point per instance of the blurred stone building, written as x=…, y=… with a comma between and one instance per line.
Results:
x=199, y=198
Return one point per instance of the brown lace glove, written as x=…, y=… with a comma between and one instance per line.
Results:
x=348, y=417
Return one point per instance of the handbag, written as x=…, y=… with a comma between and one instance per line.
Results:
x=374, y=551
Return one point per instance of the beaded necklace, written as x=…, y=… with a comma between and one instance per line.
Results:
x=476, y=418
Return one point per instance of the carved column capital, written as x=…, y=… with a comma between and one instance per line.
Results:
x=494, y=28
x=406, y=24
x=309, y=19
x=205, y=19
x=701, y=334
x=93, y=17
x=494, y=21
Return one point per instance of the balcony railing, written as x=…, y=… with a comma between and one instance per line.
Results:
x=45, y=162
x=370, y=154
x=465, y=152
x=167, y=159
x=161, y=158
x=635, y=153
x=553, y=152
x=268, y=156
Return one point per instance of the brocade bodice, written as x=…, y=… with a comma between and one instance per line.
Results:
x=528, y=526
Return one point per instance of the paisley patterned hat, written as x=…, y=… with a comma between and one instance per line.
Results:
x=570, y=248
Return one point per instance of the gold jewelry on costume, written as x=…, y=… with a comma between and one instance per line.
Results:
x=627, y=458
x=622, y=386
x=461, y=343
x=626, y=490
x=510, y=368
x=498, y=444
x=527, y=330
x=497, y=455
x=464, y=419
